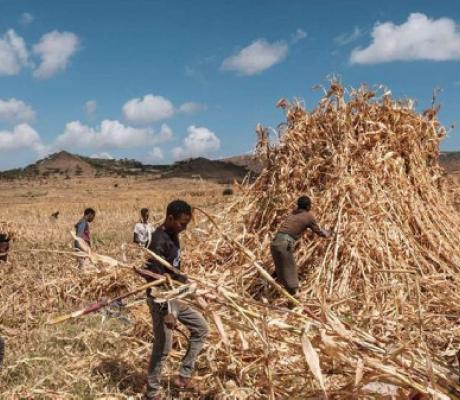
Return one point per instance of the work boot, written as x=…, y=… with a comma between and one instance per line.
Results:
x=182, y=382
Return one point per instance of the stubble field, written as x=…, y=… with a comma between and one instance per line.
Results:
x=96, y=356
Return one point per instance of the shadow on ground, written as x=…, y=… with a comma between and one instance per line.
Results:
x=119, y=374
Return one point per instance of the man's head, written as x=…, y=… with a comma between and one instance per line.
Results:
x=304, y=203
x=178, y=215
x=89, y=214
x=145, y=214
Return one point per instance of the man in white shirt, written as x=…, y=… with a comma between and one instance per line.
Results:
x=143, y=230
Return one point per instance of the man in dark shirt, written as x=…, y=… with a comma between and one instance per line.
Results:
x=82, y=231
x=165, y=243
x=282, y=246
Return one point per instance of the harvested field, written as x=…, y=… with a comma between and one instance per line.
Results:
x=378, y=308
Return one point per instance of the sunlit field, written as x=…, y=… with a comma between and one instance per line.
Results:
x=98, y=356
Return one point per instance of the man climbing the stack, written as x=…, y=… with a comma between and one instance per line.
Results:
x=82, y=230
x=143, y=230
x=165, y=243
x=282, y=246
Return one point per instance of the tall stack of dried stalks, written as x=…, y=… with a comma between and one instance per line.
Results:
x=382, y=295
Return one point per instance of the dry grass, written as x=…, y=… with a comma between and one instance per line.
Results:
x=379, y=303
x=92, y=357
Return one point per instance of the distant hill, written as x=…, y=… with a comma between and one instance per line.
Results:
x=450, y=161
x=62, y=163
x=216, y=170
x=58, y=164
x=248, y=161
x=67, y=165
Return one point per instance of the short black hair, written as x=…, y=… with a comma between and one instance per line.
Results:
x=304, y=203
x=89, y=211
x=4, y=238
x=144, y=210
x=178, y=207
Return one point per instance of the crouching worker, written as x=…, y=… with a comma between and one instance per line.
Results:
x=282, y=246
x=4, y=247
x=165, y=243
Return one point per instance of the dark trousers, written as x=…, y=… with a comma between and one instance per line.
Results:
x=282, y=248
x=4, y=247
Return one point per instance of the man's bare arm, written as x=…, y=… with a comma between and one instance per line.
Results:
x=318, y=230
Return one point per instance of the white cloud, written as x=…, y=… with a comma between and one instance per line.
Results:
x=299, y=34
x=90, y=107
x=347, y=38
x=111, y=134
x=257, y=57
x=55, y=50
x=26, y=18
x=200, y=141
x=148, y=109
x=23, y=136
x=165, y=134
x=102, y=156
x=419, y=38
x=13, y=53
x=192, y=108
x=15, y=111
x=156, y=154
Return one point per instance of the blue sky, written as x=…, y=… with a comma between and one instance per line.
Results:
x=163, y=80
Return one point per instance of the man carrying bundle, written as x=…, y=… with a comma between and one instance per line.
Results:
x=282, y=246
x=83, y=232
x=143, y=229
x=165, y=243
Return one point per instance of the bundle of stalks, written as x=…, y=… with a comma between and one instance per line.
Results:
x=378, y=306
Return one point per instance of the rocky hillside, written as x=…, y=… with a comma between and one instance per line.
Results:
x=66, y=165
x=202, y=168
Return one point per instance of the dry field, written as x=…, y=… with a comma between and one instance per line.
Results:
x=93, y=357
x=377, y=314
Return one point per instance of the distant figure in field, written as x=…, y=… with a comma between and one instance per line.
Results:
x=4, y=247
x=143, y=229
x=2, y=351
x=55, y=215
x=82, y=230
x=282, y=246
